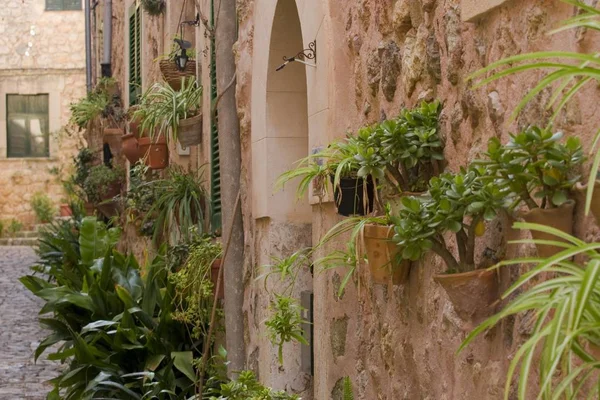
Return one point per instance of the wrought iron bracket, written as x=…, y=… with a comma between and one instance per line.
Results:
x=306, y=54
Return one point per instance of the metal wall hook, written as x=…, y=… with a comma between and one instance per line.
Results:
x=305, y=54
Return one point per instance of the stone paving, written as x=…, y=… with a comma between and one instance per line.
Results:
x=20, y=333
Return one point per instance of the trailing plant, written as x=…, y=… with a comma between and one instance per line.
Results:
x=101, y=181
x=161, y=108
x=88, y=108
x=83, y=163
x=458, y=203
x=181, y=204
x=43, y=207
x=141, y=196
x=565, y=307
x=285, y=323
x=154, y=7
x=535, y=165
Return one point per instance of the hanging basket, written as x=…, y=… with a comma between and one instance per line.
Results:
x=154, y=7
x=382, y=255
x=173, y=76
x=189, y=132
x=560, y=218
x=349, y=196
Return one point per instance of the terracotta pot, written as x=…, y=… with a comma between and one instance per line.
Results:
x=155, y=154
x=560, y=218
x=108, y=207
x=65, y=210
x=189, y=132
x=595, y=206
x=382, y=255
x=214, y=275
x=113, y=136
x=89, y=208
x=130, y=148
x=472, y=293
x=349, y=196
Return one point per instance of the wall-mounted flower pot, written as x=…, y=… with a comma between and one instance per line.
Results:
x=382, y=255
x=172, y=75
x=108, y=206
x=65, y=210
x=595, y=205
x=350, y=195
x=155, y=153
x=113, y=137
x=560, y=218
x=89, y=208
x=130, y=147
x=189, y=132
x=472, y=293
x=214, y=275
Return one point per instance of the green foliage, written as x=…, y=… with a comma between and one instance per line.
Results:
x=1, y=228
x=101, y=180
x=161, y=107
x=154, y=7
x=347, y=392
x=43, y=207
x=455, y=203
x=247, y=387
x=565, y=307
x=14, y=227
x=180, y=204
x=88, y=108
x=534, y=164
x=141, y=196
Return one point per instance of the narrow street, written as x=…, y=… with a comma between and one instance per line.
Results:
x=20, y=333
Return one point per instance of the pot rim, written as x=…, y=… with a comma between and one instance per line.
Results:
x=477, y=272
x=569, y=204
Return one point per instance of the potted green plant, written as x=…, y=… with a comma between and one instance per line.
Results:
x=174, y=114
x=459, y=204
x=101, y=186
x=181, y=203
x=154, y=7
x=43, y=207
x=539, y=172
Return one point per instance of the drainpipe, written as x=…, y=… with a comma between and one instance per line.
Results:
x=88, y=46
x=107, y=39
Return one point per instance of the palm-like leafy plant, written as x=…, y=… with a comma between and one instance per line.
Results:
x=567, y=328
x=161, y=107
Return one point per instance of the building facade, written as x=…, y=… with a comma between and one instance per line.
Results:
x=373, y=57
x=42, y=70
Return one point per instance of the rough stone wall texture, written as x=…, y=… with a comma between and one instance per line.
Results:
x=400, y=342
x=40, y=52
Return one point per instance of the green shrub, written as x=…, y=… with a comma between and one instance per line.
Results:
x=43, y=207
x=1, y=228
x=14, y=227
x=101, y=180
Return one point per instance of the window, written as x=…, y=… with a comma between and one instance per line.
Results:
x=215, y=170
x=135, y=54
x=63, y=5
x=27, y=125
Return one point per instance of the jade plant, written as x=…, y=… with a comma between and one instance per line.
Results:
x=536, y=168
x=457, y=203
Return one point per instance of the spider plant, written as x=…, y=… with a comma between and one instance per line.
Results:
x=567, y=312
x=161, y=107
x=181, y=203
x=569, y=73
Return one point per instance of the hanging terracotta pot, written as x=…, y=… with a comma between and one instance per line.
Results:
x=130, y=148
x=189, y=132
x=349, y=196
x=560, y=218
x=471, y=293
x=65, y=210
x=595, y=205
x=214, y=275
x=382, y=255
x=113, y=136
x=154, y=152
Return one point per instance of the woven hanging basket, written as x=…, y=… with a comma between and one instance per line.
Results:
x=190, y=131
x=173, y=76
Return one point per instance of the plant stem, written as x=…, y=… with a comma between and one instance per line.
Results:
x=470, y=256
x=462, y=244
x=397, y=175
x=443, y=252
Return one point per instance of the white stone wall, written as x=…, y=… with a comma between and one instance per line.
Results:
x=40, y=52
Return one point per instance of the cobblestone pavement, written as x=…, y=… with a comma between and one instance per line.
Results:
x=20, y=333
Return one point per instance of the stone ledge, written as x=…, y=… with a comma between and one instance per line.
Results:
x=472, y=9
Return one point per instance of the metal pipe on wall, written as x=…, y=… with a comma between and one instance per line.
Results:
x=88, y=46
x=107, y=31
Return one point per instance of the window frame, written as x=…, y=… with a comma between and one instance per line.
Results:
x=48, y=7
x=28, y=117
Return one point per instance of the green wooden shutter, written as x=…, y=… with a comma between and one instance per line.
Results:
x=215, y=170
x=63, y=5
x=135, y=55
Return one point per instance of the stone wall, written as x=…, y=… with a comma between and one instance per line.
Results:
x=40, y=52
x=380, y=55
